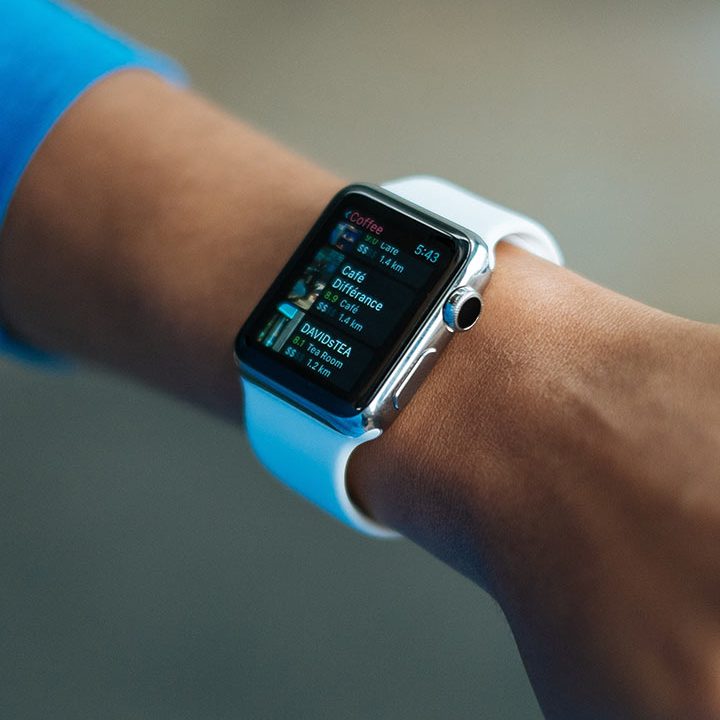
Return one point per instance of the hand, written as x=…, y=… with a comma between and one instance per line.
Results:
x=567, y=457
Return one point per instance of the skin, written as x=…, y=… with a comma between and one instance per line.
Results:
x=573, y=468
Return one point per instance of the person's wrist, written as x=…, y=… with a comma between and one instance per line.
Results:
x=459, y=470
x=562, y=455
x=436, y=474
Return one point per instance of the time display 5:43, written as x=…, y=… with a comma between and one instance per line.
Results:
x=427, y=253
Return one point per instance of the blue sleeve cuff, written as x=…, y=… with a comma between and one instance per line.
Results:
x=51, y=54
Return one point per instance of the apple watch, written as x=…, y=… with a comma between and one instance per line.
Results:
x=345, y=335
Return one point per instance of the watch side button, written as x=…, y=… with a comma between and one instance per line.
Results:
x=462, y=309
x=407, y=387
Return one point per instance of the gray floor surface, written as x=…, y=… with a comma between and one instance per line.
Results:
x=150, y=569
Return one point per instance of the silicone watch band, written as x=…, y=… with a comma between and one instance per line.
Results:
x=490, y=221
x=308, y=455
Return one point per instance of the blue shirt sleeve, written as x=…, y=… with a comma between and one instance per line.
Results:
x=49, y=55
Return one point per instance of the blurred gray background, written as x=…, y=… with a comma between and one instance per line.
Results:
x=150, y=569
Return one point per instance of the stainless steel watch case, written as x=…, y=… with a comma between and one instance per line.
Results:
x=410, y=370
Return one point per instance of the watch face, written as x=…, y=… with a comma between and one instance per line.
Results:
x=350, y=300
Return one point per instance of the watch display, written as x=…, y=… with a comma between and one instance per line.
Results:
x=350, y=299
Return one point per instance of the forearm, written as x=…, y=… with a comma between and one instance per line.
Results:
x=149, y=225
x=145, y=230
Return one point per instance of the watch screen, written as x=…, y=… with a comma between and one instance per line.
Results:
x=350, y=299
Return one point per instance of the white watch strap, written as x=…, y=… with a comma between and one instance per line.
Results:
x=490, y=221
x=308, y=455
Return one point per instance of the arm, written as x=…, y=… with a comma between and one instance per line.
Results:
x=572, y=470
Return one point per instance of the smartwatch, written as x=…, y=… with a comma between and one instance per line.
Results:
x=348, y=331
